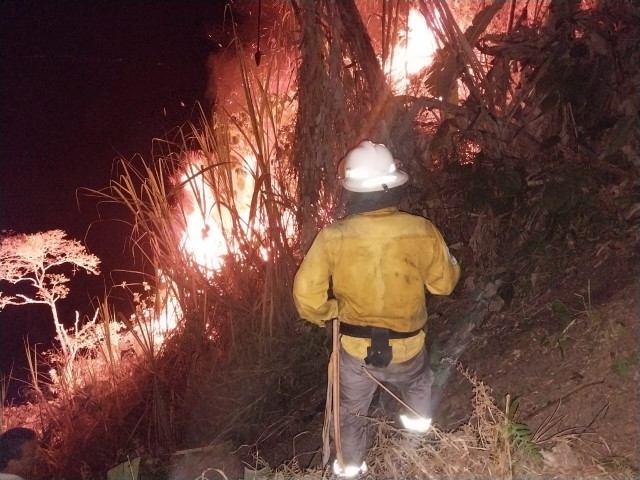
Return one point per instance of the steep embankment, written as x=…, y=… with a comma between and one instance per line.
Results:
x=567, y=345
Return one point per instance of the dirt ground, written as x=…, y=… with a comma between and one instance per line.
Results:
x=570, y=354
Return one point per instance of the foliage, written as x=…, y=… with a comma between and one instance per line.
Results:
x=518, y=435
x=35, y=260
x=30, y=259
x=622, y=364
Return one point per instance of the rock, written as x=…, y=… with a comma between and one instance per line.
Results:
x=561, y=457
x=490, y=289
x=218, y=459
x=469, y=283
x=252, y=474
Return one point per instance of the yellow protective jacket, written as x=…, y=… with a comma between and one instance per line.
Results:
x=380, y=263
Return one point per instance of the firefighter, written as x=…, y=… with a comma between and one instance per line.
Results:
x=18, y=453
x=378, y=261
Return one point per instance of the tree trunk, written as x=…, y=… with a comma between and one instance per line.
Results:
x=60, y=332
x=338, y=104
x=357, y=38
x=311, y=152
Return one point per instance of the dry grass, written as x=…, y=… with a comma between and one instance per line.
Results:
x=487, y=446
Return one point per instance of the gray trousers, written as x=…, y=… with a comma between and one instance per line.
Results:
x=412, y=378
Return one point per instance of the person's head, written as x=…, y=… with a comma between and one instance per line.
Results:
x=370, y=167
x=371, y=178
x=18, y=451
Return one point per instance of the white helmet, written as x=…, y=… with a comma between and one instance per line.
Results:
x=370, y=168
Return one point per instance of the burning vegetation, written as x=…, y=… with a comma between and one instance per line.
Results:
x=517, y=123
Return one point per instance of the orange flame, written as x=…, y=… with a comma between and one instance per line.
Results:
x=413, y=53
x=207, y=236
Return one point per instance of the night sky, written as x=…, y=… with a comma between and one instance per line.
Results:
x=83, y=83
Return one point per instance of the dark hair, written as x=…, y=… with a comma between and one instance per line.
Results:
x=11, y=443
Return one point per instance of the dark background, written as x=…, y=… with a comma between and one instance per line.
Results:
x=83, y=83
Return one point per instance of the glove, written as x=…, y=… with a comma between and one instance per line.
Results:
x=452, y=259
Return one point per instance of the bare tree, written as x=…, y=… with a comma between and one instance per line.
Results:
x=35, y=261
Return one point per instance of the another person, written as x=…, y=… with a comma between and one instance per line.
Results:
x=378, y=261
x=18, y=453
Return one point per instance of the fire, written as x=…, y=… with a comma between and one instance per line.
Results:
x=167, y=319
x=212, y=226
x=202, y=243
x=207, y=236
x=413, y=53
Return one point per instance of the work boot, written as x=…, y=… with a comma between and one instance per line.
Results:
x=349, y=471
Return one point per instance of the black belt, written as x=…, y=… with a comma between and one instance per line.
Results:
x=361, y=331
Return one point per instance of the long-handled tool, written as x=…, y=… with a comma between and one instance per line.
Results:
x=332, y=409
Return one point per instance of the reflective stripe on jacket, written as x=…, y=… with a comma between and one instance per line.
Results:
x=380, y=263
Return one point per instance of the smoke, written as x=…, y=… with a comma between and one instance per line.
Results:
x=242, y=22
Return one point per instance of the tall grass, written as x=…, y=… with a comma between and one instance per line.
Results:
x=252, y=139
x=231, y=315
